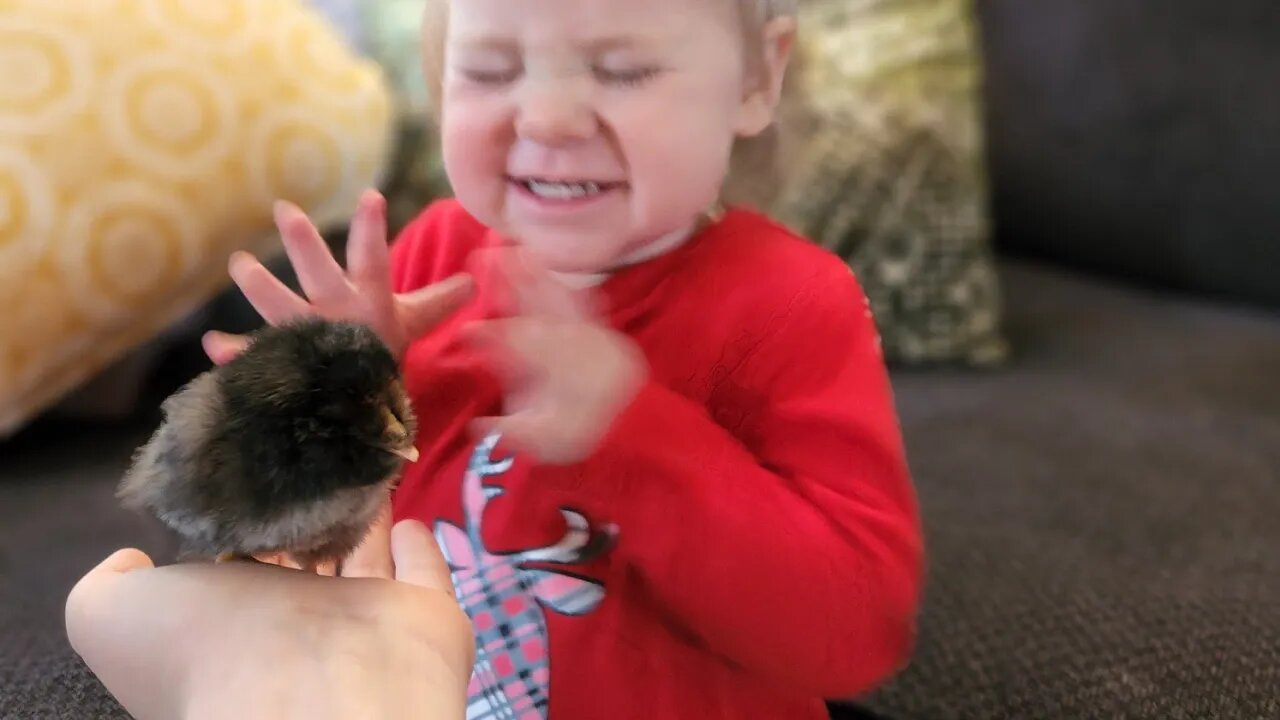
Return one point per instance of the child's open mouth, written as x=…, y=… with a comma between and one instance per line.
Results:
x=564, y=191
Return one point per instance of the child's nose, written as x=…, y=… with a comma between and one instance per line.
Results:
x=552, y=114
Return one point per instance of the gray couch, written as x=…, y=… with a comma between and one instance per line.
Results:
x=1101, y=515
x=1101, y=520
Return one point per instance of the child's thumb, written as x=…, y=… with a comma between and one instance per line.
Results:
x=423, y=309
x=222, y=348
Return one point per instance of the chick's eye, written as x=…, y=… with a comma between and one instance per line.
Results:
x=624, y=77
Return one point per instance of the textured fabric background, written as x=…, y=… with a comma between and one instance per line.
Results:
x=1100, y=521
x=1101, y=517
x=1140, y=138
x=880, y=158
x=143, y=141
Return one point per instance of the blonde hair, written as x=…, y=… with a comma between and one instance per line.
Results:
x=754, y=15
x=755, y=160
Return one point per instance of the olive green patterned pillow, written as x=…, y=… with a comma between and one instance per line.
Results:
x=880, y=159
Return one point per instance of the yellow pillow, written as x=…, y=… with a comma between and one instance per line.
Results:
x=143, y=141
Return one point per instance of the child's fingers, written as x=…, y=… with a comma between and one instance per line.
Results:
x=526, y=430
x=223, y=348
x=526, y=295
x=372, y=559
x=321, y=277
x=418, y=559
x=273, y=300
x=423, y=309
x=537, y=290
x=368, y=257
x=520, y=285
x=483, y=264
x=523, y=348
x=507, y=356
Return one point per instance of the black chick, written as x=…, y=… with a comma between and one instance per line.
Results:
x=292, y=447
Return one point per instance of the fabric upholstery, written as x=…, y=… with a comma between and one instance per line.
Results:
x=140, y=144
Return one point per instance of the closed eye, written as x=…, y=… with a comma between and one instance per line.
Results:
x=632, y=77
x=491, y=77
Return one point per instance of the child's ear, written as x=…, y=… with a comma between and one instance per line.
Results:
x=764, y=83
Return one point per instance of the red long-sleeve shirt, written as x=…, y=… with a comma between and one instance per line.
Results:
x=766, y=550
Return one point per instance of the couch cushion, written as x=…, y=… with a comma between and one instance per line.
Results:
x=141, y=143
x=59, y=518
x=879, y=157
x=1101, y=518
x=1139, y=138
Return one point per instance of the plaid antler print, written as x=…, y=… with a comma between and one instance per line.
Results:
x=505, y=598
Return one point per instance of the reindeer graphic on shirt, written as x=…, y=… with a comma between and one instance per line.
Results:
x=506, y=599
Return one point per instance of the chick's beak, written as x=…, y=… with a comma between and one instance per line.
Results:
x=402, y=444
x=408, y=452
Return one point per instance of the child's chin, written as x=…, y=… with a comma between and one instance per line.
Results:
x=571, y=255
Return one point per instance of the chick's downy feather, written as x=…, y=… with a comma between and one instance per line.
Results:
x=291, y=447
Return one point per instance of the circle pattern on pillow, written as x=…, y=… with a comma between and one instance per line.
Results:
x=144, y=141
x=45, y=74
x=175, y=119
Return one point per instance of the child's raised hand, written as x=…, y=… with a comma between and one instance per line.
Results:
x=567, y=374
x=360, y=293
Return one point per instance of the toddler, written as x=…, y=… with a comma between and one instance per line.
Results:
x=658, y=443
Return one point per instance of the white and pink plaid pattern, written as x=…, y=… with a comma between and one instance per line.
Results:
x=505, y=598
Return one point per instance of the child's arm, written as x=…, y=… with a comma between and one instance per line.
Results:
x=791, y=545
x=797, y=555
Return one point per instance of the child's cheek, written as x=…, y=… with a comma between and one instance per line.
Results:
x=474, y=155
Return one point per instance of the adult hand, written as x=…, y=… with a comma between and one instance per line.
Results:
x=262, y=641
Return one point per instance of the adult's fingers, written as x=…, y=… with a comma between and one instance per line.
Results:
x=123, y=561
x=273, y=300
x=319, y=274
x=372, y=559
x=417, y=558
x=423, y=309
x=86, y=596
x=222, y=347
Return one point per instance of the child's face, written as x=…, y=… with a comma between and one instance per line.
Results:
x=585, y=129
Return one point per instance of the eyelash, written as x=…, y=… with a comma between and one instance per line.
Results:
x=623, y=78
x=482, y=77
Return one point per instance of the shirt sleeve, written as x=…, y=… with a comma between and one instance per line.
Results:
x=790, y=546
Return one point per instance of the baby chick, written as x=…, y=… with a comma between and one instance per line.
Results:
x=292, y=447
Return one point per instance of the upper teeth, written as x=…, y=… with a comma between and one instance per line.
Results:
x=562, y=190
